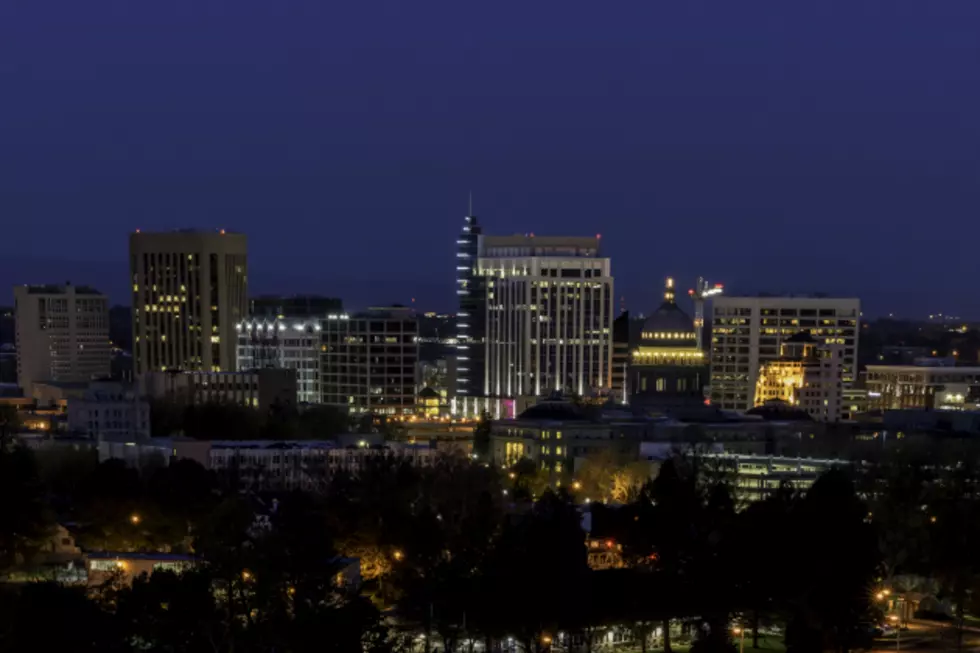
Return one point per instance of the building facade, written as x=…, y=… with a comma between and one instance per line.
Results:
x=260, y=388
x=368, y=361
x=109, y=409
x=548, y=311
x=668, y=370
x=747, y=332
x=806, y=375
x=288, y=344
x=271, y=307
x=62, y=334
x=471, y=317
x=189, y=292
x=893, y=387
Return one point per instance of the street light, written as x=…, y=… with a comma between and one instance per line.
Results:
x=398, y=555
x=741, y=642
x=134, y=519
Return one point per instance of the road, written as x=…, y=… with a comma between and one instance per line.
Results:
x=930, y=637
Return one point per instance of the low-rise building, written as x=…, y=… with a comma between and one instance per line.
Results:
x=299, y=464
x=555, y=433
x=892, y=387
x=109, y=410
x=122, y=567
x=261, y=389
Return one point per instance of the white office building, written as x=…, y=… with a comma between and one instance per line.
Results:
x=548, y=313
x=283, y=344
x=748, y=332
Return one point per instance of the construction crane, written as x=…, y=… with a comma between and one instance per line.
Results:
x=701, y=292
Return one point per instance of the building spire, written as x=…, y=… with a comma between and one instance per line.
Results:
x=669, y=290
x=471, y=205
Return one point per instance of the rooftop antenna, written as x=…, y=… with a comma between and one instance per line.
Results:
x=471, y=204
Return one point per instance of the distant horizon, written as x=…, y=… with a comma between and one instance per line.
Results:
x=432, y=297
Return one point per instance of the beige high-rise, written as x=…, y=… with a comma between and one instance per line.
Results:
x=189, y=292
x=62, y=334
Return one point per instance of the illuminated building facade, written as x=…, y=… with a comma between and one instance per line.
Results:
x=896, y=387
x=189, y=293
x=747, y=333
x=368, y=361
x=287, y=344
x=548, y=312
x=62, y=334
x=667, y=368
x=807, y=375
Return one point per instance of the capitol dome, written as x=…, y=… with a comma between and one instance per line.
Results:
x=669, y=325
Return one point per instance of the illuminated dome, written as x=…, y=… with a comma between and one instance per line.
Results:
x=669, y=326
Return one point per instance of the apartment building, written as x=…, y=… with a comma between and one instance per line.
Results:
x=288, y=344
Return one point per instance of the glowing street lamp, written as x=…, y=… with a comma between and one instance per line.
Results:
x=398, y=555
x=134, y=519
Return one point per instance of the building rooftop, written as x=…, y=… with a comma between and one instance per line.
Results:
x=151, y=555
x=56, y=289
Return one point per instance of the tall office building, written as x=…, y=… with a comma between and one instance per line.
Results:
x=547, y=305
x=368, y=361
x=62, y=334
x=189, y=292
x=471, y=317
x=748, y=332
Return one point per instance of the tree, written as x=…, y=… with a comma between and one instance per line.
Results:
x=52, y=617
x=481, y=436
x=25, y=520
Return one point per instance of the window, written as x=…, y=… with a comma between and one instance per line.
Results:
x=661, y=384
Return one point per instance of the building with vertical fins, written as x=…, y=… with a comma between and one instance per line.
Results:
x=189, y=293
x=471, y=317
x=667, y=369
x=540, y=313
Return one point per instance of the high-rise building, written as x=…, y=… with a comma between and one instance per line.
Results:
x=471, y=318
x=807, y=375
x=747, y=332
x=547, y=306
x=293, y=306
x=369, y=360
x=288, y=344
x=62, y=334
x=189, y=292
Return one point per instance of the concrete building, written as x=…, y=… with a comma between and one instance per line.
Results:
x=62, y=334
x=667, y=369
x=747, y=332
x=548, y=306
x=369, y=361
x=189, y=292
x=806, y=375
x=286, y=344
x=920, y=386
x=109, y=410
x=261, y=389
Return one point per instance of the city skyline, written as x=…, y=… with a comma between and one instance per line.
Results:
x=771, y=148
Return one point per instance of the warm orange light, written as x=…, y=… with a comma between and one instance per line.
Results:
x=134, y=519
x=398, y=555
x=609, y=544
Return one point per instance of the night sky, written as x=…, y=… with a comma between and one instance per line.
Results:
x=773, y=146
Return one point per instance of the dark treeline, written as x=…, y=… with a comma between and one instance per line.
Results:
x=450, y=560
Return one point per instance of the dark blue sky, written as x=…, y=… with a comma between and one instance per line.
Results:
x=808, y=146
